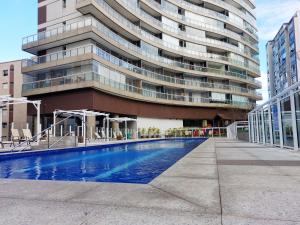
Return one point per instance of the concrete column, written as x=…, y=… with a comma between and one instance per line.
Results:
x=84, y=128
x=91, y=124
x=38, y=122
x=115, y=125
x=54, y=124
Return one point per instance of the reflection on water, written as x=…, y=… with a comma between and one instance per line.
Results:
x=130, y=163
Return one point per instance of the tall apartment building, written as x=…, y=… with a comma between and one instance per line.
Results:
x=165, y=62
x=282, y=56
x=11, y=80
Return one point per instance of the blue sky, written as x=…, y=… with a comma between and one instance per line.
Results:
x=19, y=19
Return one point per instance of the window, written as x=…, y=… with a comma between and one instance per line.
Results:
x=5, y=86
x=64, y=4
x=5, y=73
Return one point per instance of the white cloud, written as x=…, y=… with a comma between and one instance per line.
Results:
x=271, y=14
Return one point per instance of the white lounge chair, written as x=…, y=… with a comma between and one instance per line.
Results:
x=27, y=136
x=98, y=137
x=15, y=136
x=2, y=143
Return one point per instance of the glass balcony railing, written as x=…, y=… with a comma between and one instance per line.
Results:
x=103, y=82
x=130, y=67
x=176, y=30
x=205, y=41
x=186, y=5
x=161, y=77
x=195, y=22
x=36, y=38
x=93, y=49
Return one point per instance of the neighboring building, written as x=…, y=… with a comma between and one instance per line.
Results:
x=11, y=80
x=168, y=63
x=282, y=56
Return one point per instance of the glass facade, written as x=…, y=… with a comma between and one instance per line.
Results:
x=277, y=122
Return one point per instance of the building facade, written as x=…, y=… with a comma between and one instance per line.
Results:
x=11, y=80
x=282, y=57
x=182, y=63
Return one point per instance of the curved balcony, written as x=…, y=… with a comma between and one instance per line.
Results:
x=102, y=83
x=107, y=32
x=53, y=36
x=32, y=64
x=190, y=22
x=124, y=23
x=173, y=81
x=143, y=74
x=246, y=6
x=233, y=9
x=201, y=11
x=136, y=31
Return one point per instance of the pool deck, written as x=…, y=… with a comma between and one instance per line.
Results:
x=220, y=182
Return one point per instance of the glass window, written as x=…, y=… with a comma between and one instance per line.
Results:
x=267, y=128
x=287, y=125
x=260, y=127
x=297, y=105
x=5, y=86
x=5, y=73
x=275, y=124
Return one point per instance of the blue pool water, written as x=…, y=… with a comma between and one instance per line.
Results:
x=126, y=163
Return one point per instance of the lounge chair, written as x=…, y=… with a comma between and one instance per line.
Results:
x=98, y=137
x=2, y=143
x=27, y=136
x=15, y=136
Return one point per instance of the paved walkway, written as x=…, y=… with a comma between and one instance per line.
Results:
x=220, y=182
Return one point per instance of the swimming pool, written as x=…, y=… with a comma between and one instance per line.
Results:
x=138, y=162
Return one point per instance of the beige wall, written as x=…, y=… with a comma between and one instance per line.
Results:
x=19, y=114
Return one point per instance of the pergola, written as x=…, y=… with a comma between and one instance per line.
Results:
x=124, y=120
x=82, y=114
x=6, y=100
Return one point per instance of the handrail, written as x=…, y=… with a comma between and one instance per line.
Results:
x=102, y=80
x=100, y=27
x=93, y=49
x=37, y=135
x=165, y=78
x=50, y=146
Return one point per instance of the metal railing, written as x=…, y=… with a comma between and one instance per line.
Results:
x=44, y=136
x=199, y=10
x=238, y=130
x=93, y=49
x=161, y=77
x=94, y=23
x=101, y=81
x=205, y=41
x=196, y=132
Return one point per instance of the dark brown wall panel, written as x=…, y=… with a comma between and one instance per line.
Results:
x=99, y=101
